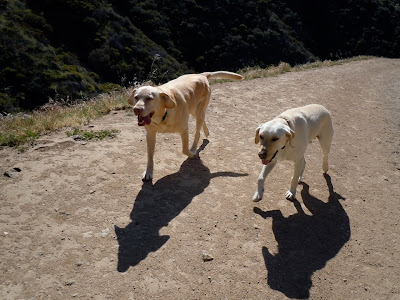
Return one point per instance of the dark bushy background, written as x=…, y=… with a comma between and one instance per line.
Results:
x=72, y=49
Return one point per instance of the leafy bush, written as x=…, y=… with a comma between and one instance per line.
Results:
x=12, y=140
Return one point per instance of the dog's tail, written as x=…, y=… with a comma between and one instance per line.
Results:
x=222, y=75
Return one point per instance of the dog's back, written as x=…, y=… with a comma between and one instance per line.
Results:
x=317, y=117
x=318, y=125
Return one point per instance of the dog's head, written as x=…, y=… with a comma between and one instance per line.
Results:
x=149, y=103
x=273, y=136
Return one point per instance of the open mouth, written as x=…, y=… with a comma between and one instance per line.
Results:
x=145, y=120
x=267, y=161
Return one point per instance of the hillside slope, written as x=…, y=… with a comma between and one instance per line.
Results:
x=73, y=49
x=78, y=222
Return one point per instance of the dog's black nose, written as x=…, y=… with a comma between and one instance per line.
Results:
x=137, y=110
x=262, y=154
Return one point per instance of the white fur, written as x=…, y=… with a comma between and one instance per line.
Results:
x=287, y=137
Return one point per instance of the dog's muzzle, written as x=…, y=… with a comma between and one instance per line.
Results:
x=262, y=154
x=142, y=121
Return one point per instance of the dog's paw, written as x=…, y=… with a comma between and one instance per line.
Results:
x=290, y=196
x=147, y=176
x=193, y=153
x=325, y=167
x=257, y=196
x=189, y=154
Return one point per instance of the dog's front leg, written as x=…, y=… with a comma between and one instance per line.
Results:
x=266, y=169
x=185, y=143
x=299, y=166
x=151, y=144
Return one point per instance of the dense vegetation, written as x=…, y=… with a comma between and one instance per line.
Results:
x=72, y=49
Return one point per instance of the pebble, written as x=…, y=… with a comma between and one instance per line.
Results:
x=206, y=256
x=105, y=232
x=11, y=173
x=69, y=282
x=79, y=263
x=88, y=234
x=77, y=137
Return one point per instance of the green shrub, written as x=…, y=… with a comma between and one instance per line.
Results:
x=12, y=140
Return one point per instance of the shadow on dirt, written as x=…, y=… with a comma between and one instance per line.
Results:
x=156, y=205
x=305, y=243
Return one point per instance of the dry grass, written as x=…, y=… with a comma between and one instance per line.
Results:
x=255, y=72
x=20, y=129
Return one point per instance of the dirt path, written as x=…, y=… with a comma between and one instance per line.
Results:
x=77, y=222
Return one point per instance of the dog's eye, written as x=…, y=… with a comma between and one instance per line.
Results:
x=149, y=98
x=274, y=139
x=261, y=137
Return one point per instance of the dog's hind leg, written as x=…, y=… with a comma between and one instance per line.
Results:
x=199, y=124
x=325, y=140
x=185, y=143
x=266, y=169
x=205, y=129
x=200, y=115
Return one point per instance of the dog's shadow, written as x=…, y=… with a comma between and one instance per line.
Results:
x=156, y=205
x=305, y=243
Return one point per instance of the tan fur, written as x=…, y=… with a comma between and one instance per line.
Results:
x=174, y=101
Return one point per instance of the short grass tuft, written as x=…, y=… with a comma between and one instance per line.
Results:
x=84, y=135
x=283, y=67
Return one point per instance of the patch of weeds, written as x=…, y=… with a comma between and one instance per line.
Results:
x=22, y=148
x=12, y=140
x=80, y=134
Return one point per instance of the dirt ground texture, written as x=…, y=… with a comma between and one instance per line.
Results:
x=77, y=221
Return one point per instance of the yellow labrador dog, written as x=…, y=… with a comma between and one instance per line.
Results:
x=166, y=108
x=286, y=138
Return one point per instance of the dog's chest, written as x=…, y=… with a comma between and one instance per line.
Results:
x=166, y=126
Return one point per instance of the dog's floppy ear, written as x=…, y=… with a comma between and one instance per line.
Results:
x=288, y=129
x=130, y=100
x=257, y=137
x=289, y=134
x=169, y=99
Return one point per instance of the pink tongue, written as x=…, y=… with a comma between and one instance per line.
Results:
x=265, y=161
x=144, y=120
